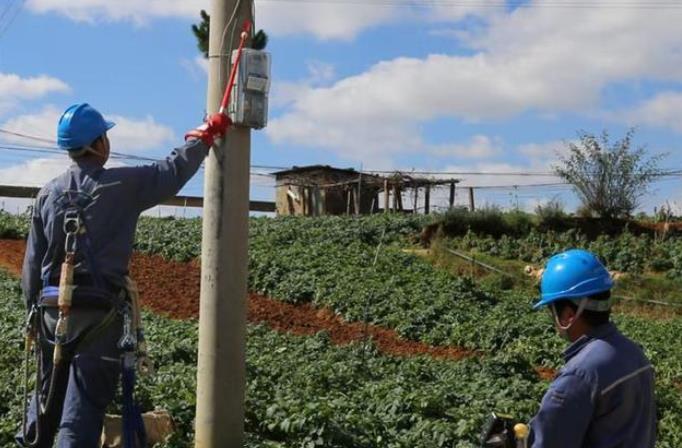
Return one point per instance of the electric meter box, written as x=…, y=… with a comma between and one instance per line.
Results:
x=249, y=99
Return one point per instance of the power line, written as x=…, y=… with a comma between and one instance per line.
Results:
x=27, y=136
x=124, y=156
x=499, y=4
x=12, y=17
x=494, y=187
x=467, y=173
x=9, y=6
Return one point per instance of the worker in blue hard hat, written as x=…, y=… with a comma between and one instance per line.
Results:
x=83, y=314
x=604, y=394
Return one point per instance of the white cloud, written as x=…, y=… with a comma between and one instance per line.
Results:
x=202, y=63
x=663, y=110
x=320, y=72
x=130, y=134
x=284, y=93
x=138, y=134
x=42, y=124
x=197, y=67
x=479, y=146
x=543, y=60
x=323, y=20
x=14, y=89
x=544, y=151
x=131, y=10
x=34, y=173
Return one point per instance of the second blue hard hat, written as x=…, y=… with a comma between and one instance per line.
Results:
x=573, y=274
x=80, y=125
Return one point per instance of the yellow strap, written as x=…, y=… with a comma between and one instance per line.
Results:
x=144, y=364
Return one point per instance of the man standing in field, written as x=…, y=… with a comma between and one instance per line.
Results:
x=604, y=395
x=86, y=219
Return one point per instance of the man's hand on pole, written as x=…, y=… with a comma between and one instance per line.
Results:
x=216, y=126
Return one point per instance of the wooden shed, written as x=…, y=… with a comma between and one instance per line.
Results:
x=324, y=190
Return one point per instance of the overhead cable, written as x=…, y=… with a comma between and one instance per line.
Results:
x=500, y=4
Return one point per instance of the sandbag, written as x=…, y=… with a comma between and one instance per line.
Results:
x=158, y=424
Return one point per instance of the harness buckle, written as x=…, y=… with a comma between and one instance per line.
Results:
x=72, y=222
x=128, y=340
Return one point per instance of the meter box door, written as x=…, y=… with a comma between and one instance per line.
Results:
x=249, y=99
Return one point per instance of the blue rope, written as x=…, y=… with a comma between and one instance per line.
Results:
x=134, y=435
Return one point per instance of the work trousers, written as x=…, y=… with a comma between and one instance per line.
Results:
x=84, y=387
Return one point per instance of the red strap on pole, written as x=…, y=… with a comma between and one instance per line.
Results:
x=233, y=73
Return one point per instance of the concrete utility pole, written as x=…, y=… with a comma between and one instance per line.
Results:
x=221, y=372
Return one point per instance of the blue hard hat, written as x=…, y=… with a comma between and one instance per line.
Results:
x=573, y=274
x=80, y=125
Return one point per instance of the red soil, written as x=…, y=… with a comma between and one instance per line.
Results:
x=12, y=255
x=545, y=373
x=172, y=288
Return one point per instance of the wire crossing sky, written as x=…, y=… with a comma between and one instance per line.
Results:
x=490, y=92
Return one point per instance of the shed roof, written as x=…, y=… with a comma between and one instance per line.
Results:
x=307, y=169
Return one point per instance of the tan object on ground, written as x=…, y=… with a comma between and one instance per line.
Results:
x=158, y=424
x=534, y=272
x=616, y=275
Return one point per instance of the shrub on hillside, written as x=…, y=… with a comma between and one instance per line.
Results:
x=14, y=226
x=551, y=214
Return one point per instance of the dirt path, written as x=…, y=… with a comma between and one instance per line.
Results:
x=172, y=288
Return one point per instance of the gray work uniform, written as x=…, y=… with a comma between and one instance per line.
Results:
x=121, y=195
x=602, y=398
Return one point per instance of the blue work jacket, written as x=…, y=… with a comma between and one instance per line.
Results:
x=602, y=398
x=121, y=195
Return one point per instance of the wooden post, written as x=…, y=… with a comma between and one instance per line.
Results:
x=307, y=210
x=349, y=193
x=452, y=194
x=427, y=199
x=399, y=197
x=395, y=197
x=315, y=199
x=416, y=199
x=358, y=208
x=472, y=204
x=386, y=196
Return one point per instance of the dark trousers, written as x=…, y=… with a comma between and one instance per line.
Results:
x=84, y=387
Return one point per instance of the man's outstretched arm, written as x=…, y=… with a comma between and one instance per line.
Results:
x=162, y=180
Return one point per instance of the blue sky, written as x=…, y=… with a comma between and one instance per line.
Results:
x=460, y=86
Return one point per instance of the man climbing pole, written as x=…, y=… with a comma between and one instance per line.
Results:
x=604, y=395
x=82, y=323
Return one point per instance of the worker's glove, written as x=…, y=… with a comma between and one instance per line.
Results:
x=215, y=126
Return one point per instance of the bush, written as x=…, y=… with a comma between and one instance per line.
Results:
x=518, y=222
x=14, y=226
x=551, y=214
x=486, y=221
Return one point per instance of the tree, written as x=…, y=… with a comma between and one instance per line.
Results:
x=610, y=178
x=200, y=31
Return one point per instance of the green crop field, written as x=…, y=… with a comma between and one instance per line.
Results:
x=303, y=391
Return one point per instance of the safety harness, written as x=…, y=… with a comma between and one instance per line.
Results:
x=124, y=302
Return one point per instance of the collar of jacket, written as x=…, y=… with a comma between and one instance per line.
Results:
x=599, y=332
x=86, y=164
